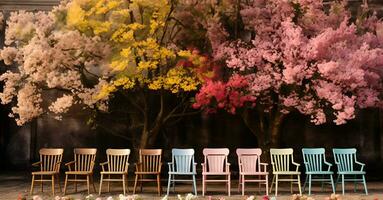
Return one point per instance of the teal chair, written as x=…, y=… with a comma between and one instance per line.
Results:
x=317, y=166
x=345, y=159
x=182, y=165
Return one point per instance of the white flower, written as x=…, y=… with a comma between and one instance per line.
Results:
x=179, y=197
x=57, y=198
x=250, y=197
x=89, y=197
x=165, y=197
x=190, y=196
x=109, y=198
x=37, y=197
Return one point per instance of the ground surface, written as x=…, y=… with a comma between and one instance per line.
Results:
x=13, y=185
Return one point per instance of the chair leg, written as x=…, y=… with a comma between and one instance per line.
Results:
x=299, y=185
x=267, y=185
x=169, y=180
x=228, y=185
x=58, y=180
x=92, y=180
x=332, y=184
x=109, y=183
x=88, y=184
x=342, y=184
x=291, y=184
x=65, y=183
x=127, y=181
x=276, y=185
x=365, y=185
x=141, y=182
x=194, y=185
x=272, y=183
x=243, y=185
x=53, y=185
x=203, y=185
x=159, y=185
x=32, y=185
x=355, y=185
x=322, y=183
x=135, y=184
x=259, y=184
x=42, y=185
x=304, y=185
x=174, y=183
x=123, y=184
x=75, y=183
x=101, y=180
x=310, y=184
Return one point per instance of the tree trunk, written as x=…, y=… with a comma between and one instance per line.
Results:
x=274, y=129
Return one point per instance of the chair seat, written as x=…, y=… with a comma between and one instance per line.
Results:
x=78, y=172
x=320, y=172
x=114, y=172
x=352, y=172
x=216, y=173
x=45, y=173
x=147, y=173
x=183, y=173
x=287, y=173
x=254, y=173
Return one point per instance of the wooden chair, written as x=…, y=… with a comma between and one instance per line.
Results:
x=149, y=164
x=346, y=162
x=83, y=164
x=281, y=159
x=316, y=165
x=50, y=161
x=215, y=164
x=249, y=162
x=117, y=165
x=182, y=164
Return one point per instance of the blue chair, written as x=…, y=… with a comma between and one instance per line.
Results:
x=182, y=164
x=345, y=159
x=316, y=165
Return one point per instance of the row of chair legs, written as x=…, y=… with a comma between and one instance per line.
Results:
x=140, y=178
x=172, y=182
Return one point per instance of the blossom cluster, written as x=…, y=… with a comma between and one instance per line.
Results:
x=294, y=55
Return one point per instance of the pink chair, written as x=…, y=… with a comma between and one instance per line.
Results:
x=249, y=162
x=215, y=164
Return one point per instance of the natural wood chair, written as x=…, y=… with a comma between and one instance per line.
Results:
x=149, y=164
x=84, y=160
x=50, y=161
x=117, y=165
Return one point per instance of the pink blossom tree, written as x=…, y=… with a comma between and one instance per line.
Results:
x=294, y=55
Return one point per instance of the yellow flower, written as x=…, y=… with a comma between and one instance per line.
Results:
x=105, y=91
x=119, y=65
x=124, y=81
x=126, y=53
x=76, y=16
x=185, y=53
x=143, y=65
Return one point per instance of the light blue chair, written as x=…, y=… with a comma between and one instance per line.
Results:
x=182, y=165
x=345, y=159
x=317, y=166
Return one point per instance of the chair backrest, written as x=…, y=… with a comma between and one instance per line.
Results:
x=84, y=159
x=249, y=160
x=50, y=159
x=118, y=160
x=281, y=159
x=215, y=159
x=183, y=160
x=314, y=159
x=345, y=159
x=150, y=160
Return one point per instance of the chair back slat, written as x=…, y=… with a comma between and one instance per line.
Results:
x=249, y=160
x=345, y=159
x=150, y=159
x=50, y=158
x=314, y=159
x=183, y=160
x=216, y=159
x=118, y=160
x=281, y=159
x=84, y=159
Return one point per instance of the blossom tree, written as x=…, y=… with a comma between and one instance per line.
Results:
x=110, y=56
x=294, y=55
